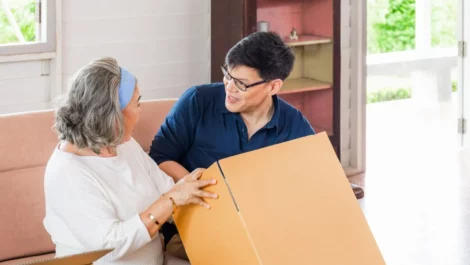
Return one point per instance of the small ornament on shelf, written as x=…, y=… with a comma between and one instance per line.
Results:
x=293, y=34
x=263, y=26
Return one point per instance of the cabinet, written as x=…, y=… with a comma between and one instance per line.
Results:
x=313, y=87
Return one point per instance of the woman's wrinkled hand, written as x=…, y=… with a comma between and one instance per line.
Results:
x=189, y=190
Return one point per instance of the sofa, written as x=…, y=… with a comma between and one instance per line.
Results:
x=26, y=142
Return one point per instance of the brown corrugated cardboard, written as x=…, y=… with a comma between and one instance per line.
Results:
x=289, y=203
x=85, y=258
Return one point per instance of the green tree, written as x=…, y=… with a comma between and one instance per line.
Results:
x=397, y=32
x=376, y=11
x=25, y=17
x=444, y=23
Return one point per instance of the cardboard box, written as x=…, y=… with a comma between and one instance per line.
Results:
x=86, y=258
x=290, y=203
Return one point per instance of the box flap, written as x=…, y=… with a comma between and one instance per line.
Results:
x=85, y=258
x=215, y=236
x=298, y=206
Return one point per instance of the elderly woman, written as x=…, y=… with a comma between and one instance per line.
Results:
x=102, y=190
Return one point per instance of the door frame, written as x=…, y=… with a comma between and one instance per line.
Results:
x=355, y=102
x=463, y=36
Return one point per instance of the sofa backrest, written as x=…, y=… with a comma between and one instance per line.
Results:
x=151, y=118
x=26, y=142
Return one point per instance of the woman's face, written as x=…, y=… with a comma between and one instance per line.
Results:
x=131, y=114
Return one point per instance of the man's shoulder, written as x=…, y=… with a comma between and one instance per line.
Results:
x=292, y=119
x=197, y=99
x=288, y=110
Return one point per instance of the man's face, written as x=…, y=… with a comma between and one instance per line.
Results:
x=245, y=90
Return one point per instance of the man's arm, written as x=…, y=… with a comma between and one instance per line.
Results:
x=176, y=135
x=174, y=170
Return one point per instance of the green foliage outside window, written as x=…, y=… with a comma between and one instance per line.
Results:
x=391, y=24
x=24, y=13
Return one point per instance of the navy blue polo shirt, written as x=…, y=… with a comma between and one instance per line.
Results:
x=199, y=129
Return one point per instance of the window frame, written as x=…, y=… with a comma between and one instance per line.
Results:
x=48, y=45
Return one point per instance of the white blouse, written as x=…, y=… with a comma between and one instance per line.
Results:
x=94, y=203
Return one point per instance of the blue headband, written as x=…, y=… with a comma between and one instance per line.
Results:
x=126, y=87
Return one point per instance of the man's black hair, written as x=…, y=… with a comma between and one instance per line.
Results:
x=265, y=52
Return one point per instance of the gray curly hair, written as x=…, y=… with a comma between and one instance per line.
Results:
x=90, y=115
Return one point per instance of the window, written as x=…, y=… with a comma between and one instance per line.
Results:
x=27, y=26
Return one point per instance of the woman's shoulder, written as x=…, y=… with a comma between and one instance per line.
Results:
x=66, y=169
x=131, y=144
x=132, y=152
x=61, y=159
x=130, y=148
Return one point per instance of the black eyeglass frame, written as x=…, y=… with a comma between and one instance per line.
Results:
x=229, y=77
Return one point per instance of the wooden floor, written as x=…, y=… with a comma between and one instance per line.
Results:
x=417, y=186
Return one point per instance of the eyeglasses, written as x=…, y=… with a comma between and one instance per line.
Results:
x=239, y=84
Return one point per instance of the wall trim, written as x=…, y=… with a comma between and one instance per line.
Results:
x=345, y=100
x=358, y=85
x=56, y=88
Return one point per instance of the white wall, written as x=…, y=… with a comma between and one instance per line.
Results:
x=165, y=43
x=23, y=86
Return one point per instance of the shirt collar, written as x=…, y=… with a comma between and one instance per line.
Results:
x=274, y=122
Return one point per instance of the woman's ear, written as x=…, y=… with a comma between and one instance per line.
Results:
x=275, y=86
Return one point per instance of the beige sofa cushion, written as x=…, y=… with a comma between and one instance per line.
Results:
x=26, y=140
x=26, y=143
x=153, y=114
x=22, y=232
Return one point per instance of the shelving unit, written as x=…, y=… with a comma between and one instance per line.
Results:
x=302, y=85
x=307, y=40
x=313, y=87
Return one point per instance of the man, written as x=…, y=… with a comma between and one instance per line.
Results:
x=213, y=121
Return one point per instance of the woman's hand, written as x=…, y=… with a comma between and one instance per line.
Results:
x=188, y=190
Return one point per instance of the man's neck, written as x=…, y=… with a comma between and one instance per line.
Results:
x=256, y=119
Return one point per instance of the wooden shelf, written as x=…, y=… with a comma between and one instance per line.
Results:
x=302, y=84
x=307, y=40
